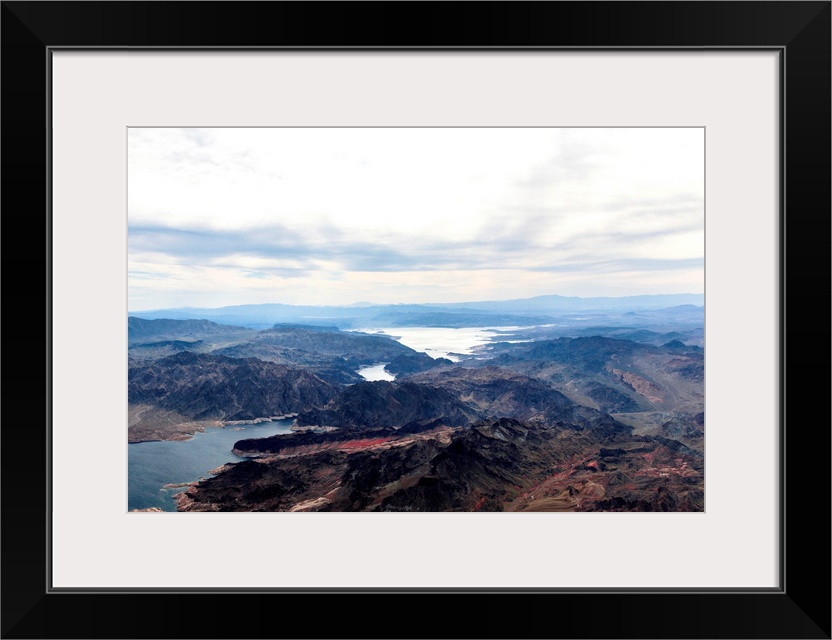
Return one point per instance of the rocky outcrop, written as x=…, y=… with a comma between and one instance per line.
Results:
x=421, y=474
x=356, y=348
x=490, y=466
x=688, y=429
x=202, y=387
x=335, y=370
x=276, y=485
x=404, y=365
x=388, y=404
x=613, y=375
x=306, y=442
x=609, y=399
x=495, y=392
x=329, y=353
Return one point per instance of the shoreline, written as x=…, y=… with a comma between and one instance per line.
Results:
x=191, y=431
x=286, y=416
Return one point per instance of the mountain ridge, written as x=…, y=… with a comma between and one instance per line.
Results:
x=264, y=314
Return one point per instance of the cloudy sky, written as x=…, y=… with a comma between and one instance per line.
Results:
x=337, y=216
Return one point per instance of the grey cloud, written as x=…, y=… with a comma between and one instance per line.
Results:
x=209, y=243
x=301, y=252
x=204, y=246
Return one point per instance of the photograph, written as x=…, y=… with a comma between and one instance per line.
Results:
x=443, y=266
x=416, y=319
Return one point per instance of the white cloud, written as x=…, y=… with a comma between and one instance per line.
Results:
x=284, y=215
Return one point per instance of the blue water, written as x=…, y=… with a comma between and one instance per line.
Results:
x=151, y=465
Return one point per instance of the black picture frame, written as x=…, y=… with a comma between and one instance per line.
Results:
x=799, y=31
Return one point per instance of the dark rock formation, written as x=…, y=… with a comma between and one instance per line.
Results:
x=407, y=364
x=208, y=387
x=614, y=375
x=334, y=369
x=491, y=462
x=688, y=429
x=385, y=404
x=355, y=348
x=495, y=393
x=609, y=399
x=494, y=465
x=330, y=354
x=304, y=441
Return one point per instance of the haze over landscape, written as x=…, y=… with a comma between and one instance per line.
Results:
x=416, y=319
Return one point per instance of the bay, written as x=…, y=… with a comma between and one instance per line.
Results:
x=151, y=465
x=376, y=372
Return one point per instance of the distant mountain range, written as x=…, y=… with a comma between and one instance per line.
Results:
x=522, y=312
x=547, y=304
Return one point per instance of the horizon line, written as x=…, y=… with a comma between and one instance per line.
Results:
x=364, y=304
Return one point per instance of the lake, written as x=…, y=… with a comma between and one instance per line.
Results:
x=151, y=465
x=441, y=342
x=375, y=372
